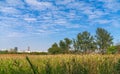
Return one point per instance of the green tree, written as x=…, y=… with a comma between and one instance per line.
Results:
x=54, y=49
x=65, y=45
x=68, y=42
x=103, y=39
x=62, y=46
x=84, y=42
x=75, y=45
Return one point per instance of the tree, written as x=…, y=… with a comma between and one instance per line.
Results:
x=75, y=45
x=84, y=42
x=62, y=46
x=103, y=39
x=68, y=42
x=65, y=45
x=54, y=49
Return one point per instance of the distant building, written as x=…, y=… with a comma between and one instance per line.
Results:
x=28, y=50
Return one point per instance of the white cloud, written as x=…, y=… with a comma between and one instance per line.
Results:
x=94, y=14
x=9, y=10
x=30, y=19
x=115, y=23
x=15, y=3
x=112, y=5
x=54, y=18
x=38, y=5
x=60, y=21
x=103, y=21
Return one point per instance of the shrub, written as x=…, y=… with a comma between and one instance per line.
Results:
x=112, y=50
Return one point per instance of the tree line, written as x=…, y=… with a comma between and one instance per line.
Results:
x=101, y=42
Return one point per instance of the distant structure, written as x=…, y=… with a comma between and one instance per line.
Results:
x=28, y=50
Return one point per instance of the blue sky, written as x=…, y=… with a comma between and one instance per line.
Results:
x=40, y=23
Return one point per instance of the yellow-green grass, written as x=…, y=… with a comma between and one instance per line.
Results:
x=59, y=64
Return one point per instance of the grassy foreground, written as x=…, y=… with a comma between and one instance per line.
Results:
x=59, y=64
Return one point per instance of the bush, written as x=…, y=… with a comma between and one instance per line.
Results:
x=112, y=50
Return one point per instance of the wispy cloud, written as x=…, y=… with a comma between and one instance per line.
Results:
x=38, y=5
x=111, y=5
x=9, y=10
x=47, y=15
x=28, y=18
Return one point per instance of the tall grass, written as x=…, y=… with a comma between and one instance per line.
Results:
x=117, y=67
x=60, y=64
x=32, y=66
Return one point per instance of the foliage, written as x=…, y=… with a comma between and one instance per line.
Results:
x=65, y=45
x=68, y=42
x=54, y=49
x=112, y=50
x=118, y=48
x=84, y=42
x=103, y=39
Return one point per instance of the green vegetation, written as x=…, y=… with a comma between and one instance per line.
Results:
x=117, y=67
x=103, y=39
x=85, y=43
x=112, y=50
x=65, y=45
x=59, y=64
x=27, y=63
x=31, y=65
x=54, y=49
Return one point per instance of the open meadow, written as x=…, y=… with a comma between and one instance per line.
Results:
x=59, y=64
x=59, y=36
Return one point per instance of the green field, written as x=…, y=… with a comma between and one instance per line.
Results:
x=59, y=64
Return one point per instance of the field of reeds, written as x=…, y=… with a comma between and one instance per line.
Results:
x=59, y=64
